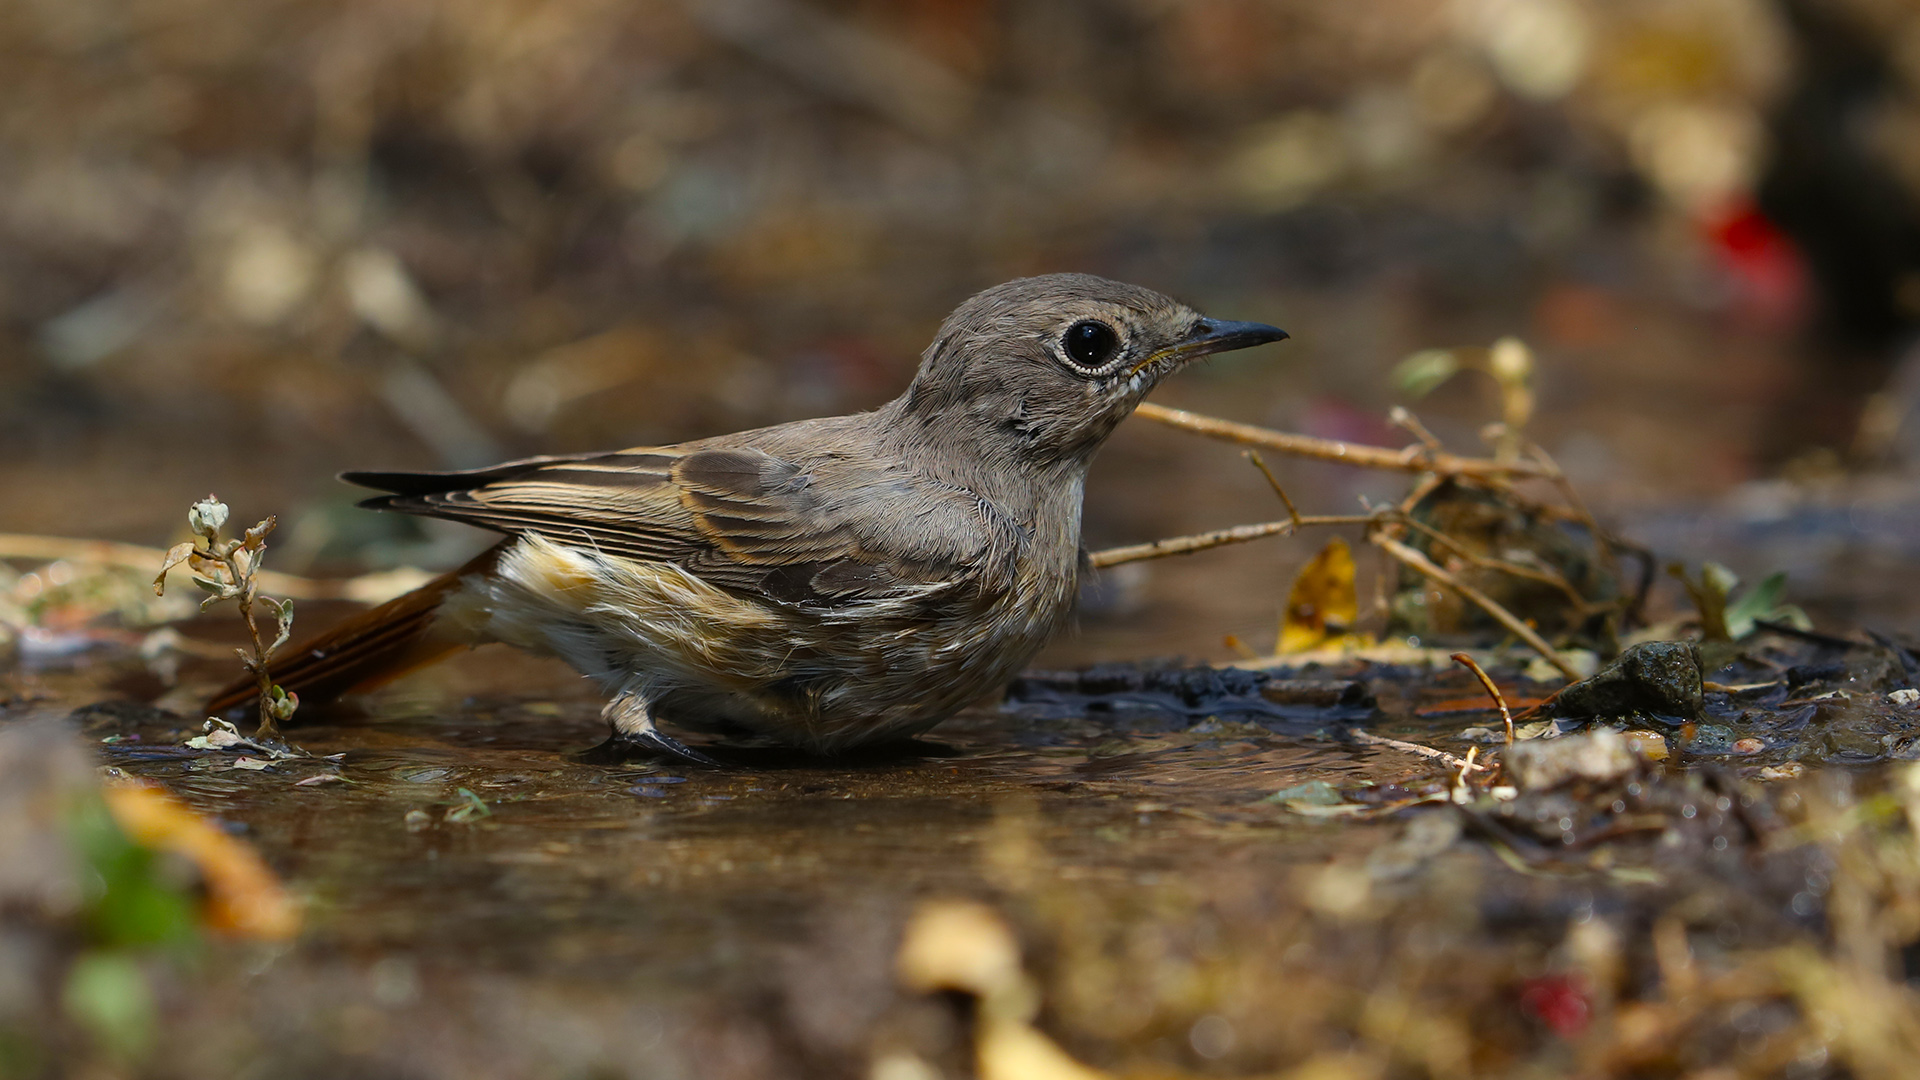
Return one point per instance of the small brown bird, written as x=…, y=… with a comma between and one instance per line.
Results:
x=827, y=582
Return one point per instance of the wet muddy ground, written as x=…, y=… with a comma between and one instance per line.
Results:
x=673, y=899
x=1208, y=872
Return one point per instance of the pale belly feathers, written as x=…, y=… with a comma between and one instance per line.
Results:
x=824, y=678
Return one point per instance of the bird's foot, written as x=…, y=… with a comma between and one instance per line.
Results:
x=622, y=745
x=634, y=733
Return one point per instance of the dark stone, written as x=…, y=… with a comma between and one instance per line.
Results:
x=1655, y=679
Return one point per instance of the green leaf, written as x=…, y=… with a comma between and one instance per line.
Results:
x=1758, y=602
x=1792, y=615
x=1419, y=374
x=1765, y=601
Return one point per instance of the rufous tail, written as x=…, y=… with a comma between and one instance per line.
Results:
x=367, y=650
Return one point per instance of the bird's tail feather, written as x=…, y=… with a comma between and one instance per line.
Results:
x=368, y=649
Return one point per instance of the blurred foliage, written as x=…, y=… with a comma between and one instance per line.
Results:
x=1723, y=618
x=108, y=895
x=420, y=231
x=136, y=900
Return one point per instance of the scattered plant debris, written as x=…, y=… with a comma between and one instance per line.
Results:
x=1465, y=537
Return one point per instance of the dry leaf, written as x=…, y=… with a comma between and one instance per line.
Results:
x=1323, y=604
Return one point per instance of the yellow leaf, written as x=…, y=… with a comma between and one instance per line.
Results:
x=1323, y=603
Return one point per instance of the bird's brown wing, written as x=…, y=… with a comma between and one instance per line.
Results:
x=737, y=517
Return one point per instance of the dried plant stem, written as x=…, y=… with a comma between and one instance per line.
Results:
x=1273, y=482
x=1461, y=793
x=1401, y=417
x=1412, y=459
x=1409, y=557
x=1452, y=761
x=247, y=578
x=1187, y=545
x=1492, y=691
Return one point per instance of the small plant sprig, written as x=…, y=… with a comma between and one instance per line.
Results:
x=226, y=570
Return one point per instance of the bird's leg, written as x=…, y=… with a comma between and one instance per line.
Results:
x=634, y=731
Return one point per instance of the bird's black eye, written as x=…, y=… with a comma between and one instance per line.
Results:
x=1091, y=344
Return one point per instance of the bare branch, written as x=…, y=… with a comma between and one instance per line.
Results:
x=1239, y=534
x=1492, y=691
x=1187, y=545
x=1452, y=761
x=1403, y=417
x=1273, y=481
x=1412, y=459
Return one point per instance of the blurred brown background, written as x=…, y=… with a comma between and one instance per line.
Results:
x=246, y=245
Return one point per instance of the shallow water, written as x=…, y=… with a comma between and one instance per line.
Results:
x=674, y=874
x=487, y=898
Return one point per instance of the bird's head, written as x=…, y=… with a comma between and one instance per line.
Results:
x=1044, y=368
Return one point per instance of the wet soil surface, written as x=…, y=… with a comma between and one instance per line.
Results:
x=671, y=891
x=1208, y=870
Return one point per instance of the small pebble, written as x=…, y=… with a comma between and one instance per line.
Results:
x=1748, y=745
x=417, y=820
x=1648, y=744
x=1905, y=697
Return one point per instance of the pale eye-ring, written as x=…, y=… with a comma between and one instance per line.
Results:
x=1090, y=343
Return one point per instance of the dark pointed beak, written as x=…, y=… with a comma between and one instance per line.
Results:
x=1211, y=336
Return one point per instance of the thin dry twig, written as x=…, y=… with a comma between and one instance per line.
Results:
x=1460, y=792
x=1187, y=545
x=1488, y=604
x=1411, y=459
x=1422, y=488
x=1274, y=482
x=1492, y=691
x=245, y=576
x=1452, y=761
x=1404, y=418
x=1239, y=534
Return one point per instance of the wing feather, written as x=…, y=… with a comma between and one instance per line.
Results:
x=737, y=517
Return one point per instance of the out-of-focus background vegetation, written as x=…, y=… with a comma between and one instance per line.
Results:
x=246, y=245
